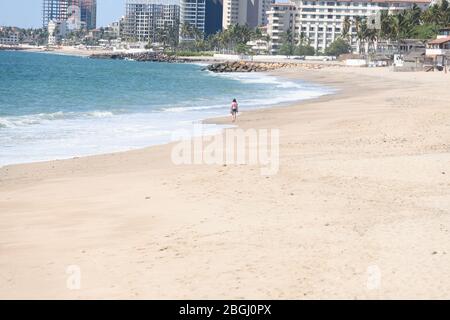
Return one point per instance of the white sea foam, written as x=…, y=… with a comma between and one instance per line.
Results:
x=245, y=77
x=184, y=109
x=5, y=123
x=100, y=114
x=82, y=136
x=32, y=119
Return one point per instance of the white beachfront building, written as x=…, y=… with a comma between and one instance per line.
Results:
x=144, y=18
x=321, y=22
x=439, y=48
x=51, y=27
x=282, y=17
x=440, y=45
x=11, y=39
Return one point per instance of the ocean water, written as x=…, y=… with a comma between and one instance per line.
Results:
x=57, y=107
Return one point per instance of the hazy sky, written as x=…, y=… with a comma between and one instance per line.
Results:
x=28, y=13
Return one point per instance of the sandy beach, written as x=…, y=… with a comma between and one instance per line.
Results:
x=66, y=50
x=360, y=207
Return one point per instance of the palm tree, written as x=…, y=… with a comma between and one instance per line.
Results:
x=432, y=15
x=287, y=47
x=359, y=32
x=213, y=41
x=404, y=25
x=161, y=37
x=414, y=14
x=346, y=25
x=302, y=38
x=186, y=31
x=173, y=36
x=444, y=17
x=225, y=39
x=198, y=37
x=371, y=36
x=257, y=34
x=385, y=31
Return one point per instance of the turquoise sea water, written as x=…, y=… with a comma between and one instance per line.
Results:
x=55, y=107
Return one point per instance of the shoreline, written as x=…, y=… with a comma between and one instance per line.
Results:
x=68, y=51
x=219, y=120
x=76, y=52
x=358, y=210
x=215, y=120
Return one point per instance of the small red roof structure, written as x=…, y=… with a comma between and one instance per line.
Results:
x=440, y=40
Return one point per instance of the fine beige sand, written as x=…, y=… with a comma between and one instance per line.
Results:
x=359, y=209
x=65, y=50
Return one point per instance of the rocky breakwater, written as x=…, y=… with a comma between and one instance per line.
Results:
x=250, y=66
x=246, y=66
x=141, y=56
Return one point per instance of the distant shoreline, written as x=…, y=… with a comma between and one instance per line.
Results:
x=77, y=52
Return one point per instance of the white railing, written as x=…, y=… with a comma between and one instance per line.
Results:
x=433, y=52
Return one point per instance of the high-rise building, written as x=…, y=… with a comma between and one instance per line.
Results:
x=282, y=18
x=193, y=13
x=55, y=10
x=250, y=12
x=234, y=12
x=145, y=18
x=61, y=10
x=205, y=15
x=214, y=16
x=265, y=6
x=89, y=13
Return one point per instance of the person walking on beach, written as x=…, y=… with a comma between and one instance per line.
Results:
x=234, y=109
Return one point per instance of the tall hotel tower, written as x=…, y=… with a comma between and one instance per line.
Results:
x=205, y=15
x=251, y=12
x=55, y=10
x=58, y=10
x=214, y=16
x=88, y=12
x=193, y=13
